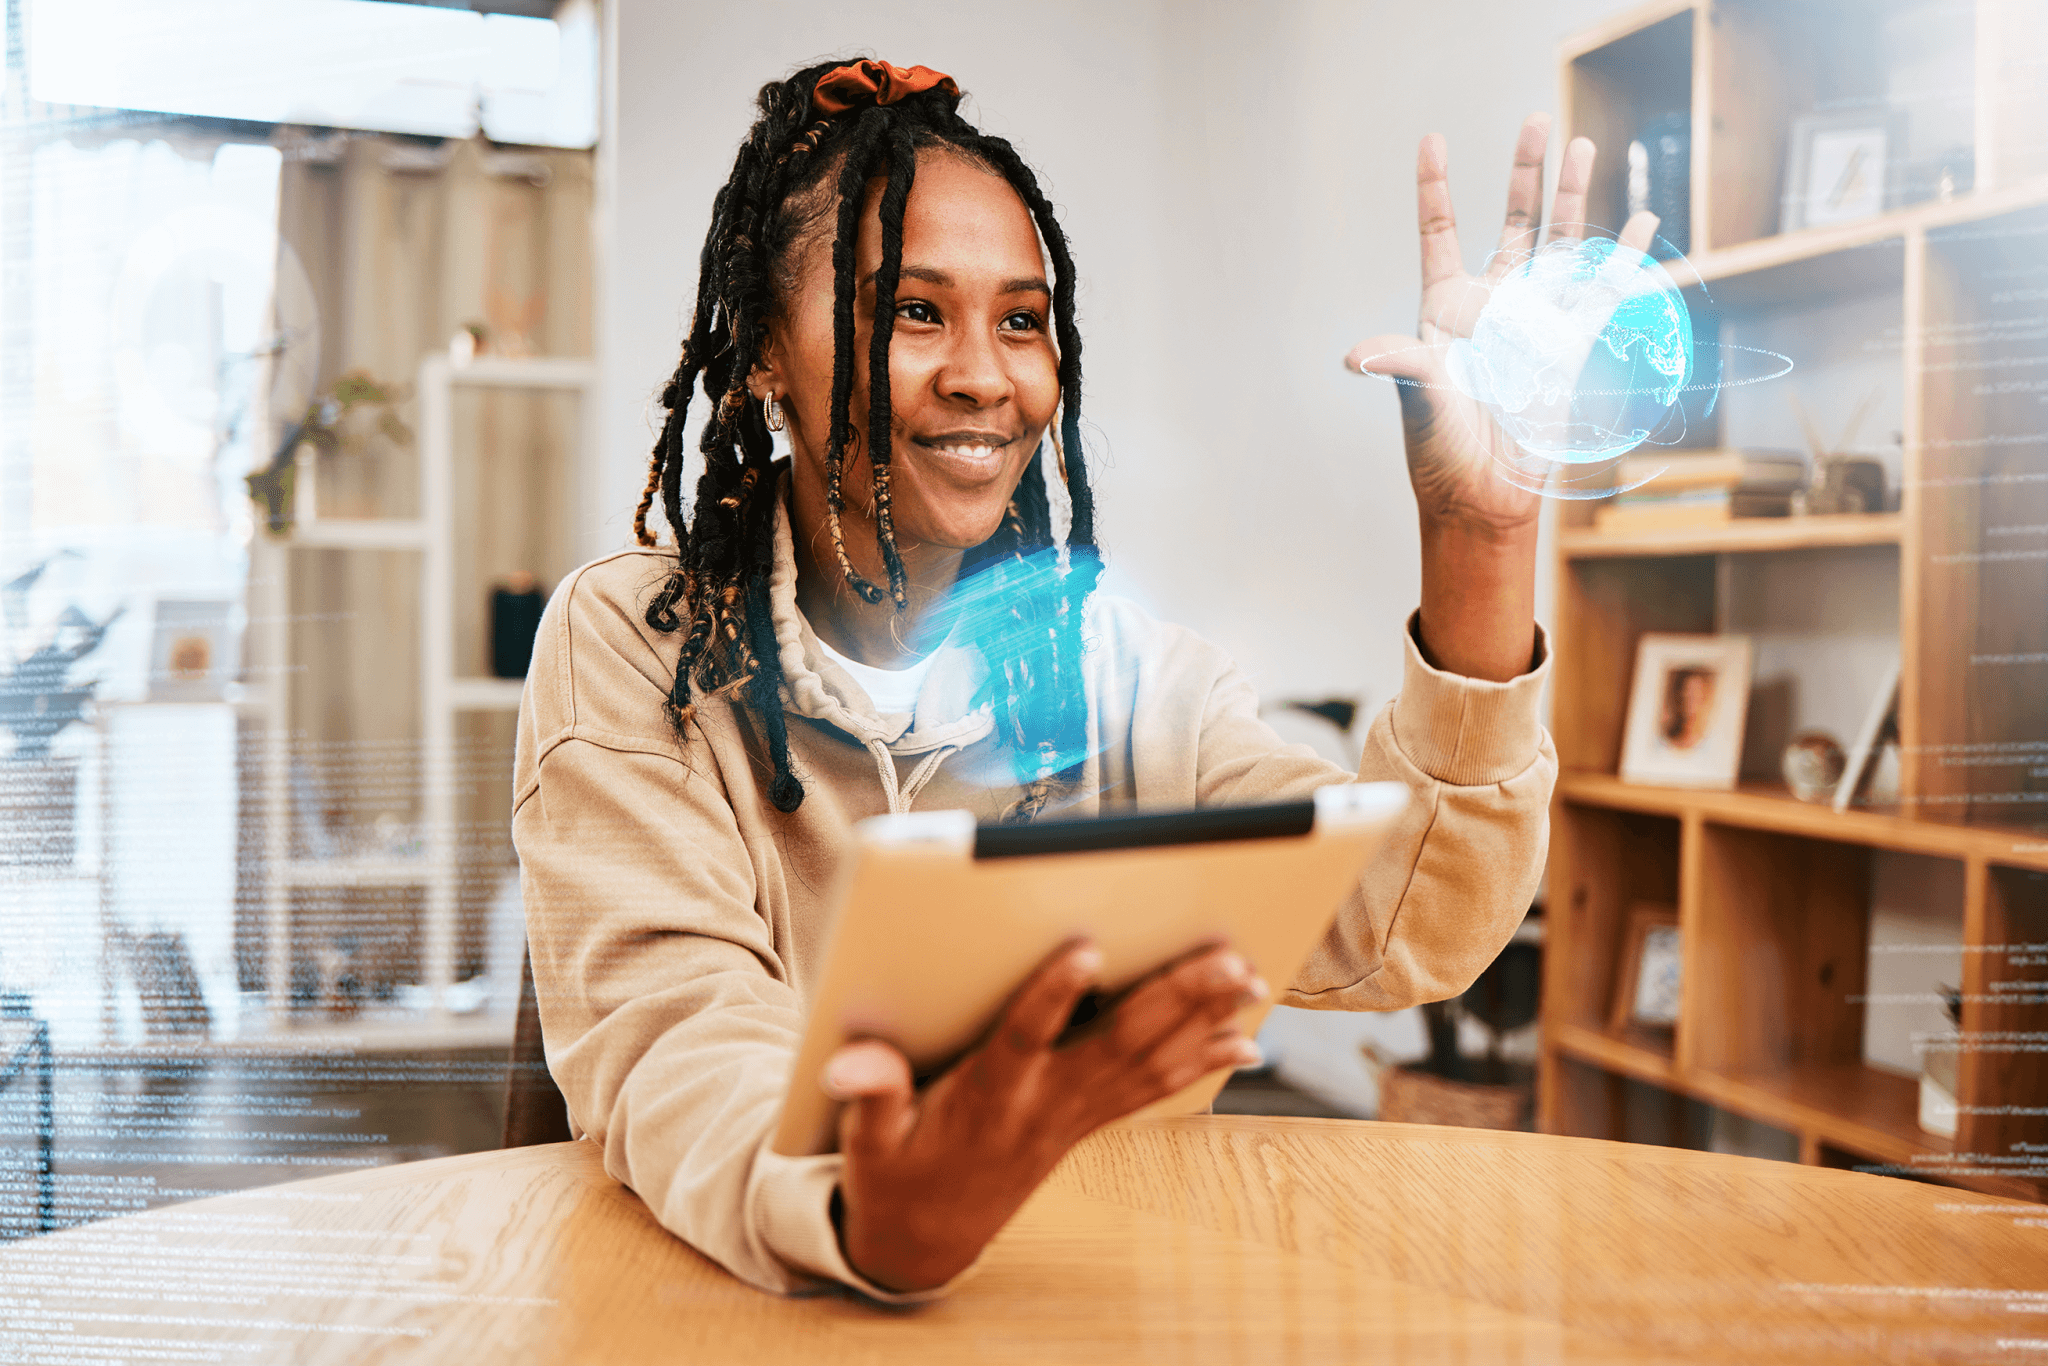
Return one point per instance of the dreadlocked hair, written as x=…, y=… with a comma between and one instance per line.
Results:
x=716, y=593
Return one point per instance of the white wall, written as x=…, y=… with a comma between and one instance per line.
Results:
x=1238, y=185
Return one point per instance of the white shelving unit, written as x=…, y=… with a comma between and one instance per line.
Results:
x=443, y=692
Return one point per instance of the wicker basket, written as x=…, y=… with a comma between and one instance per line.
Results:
x=1408, y=1096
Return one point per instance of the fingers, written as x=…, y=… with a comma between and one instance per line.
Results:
x=1640, y=231
x=1193, y=1052
x=1525, y=196
x=1039, y=1012
x=874, y=1079
x=1625, y=270
x=1434, y=220
x=1392, y=356
x=1206, y=988
x=1574, y=179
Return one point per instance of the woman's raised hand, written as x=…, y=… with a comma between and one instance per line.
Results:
x=931, y=1175
x=1452, y=442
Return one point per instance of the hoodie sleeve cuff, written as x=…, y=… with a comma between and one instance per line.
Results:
x=1468, y=732
x=793, y=1207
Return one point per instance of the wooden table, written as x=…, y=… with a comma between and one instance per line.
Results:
x=1212, y=1239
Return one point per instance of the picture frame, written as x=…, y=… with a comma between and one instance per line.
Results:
x=1861, y=764
x=1650, y=973
x=1838, y=167
x=1686, y=710
x=193, y=650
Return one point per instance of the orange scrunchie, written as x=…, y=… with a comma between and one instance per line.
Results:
x=859, y=84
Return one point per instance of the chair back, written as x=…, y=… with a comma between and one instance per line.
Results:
x=534, y=1109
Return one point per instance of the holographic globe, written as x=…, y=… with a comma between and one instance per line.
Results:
x=1581, y=352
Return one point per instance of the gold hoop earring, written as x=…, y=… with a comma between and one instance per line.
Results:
x=771, y=413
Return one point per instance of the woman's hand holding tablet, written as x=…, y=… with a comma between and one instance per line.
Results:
x=931, y=1174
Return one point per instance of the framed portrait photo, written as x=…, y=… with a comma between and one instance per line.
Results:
x=1646, y=986
x=1838, y=168
x=1686, y=711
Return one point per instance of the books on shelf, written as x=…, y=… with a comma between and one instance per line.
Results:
x=1756, y=471
x=1705, y=488
x=1694, y=507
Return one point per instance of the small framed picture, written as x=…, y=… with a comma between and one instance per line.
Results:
x=1686, y=711
x=1646, y=988
x=1837, y=168
x=1861, y=783
x=192, y=654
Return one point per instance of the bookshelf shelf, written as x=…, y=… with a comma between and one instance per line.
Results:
x=1849, y=1106
x=357, y=872
x=1762, y=806
x=1843, y=259
x=1774, y=896
x=366, y=533
x=1743, y=534
x=486, y=694
x=1852, y=1106
x=1616, y=1053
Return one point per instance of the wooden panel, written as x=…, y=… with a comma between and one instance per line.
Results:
x=2012, y=99
x=1615, y=78
x=1776, y=953
x=1753, y=88
x=2005, y=1024
x=1980, y=684
x=1912, y=549
x=1616, y=27
x=1945, y=524
x=513, y=477
x=1577, y=1098
x=1604, y=608
x=1613, y=90
x=354, y=645
x=1603, y=862
x=487, y=866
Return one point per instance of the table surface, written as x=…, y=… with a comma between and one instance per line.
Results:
x=1215, y=1238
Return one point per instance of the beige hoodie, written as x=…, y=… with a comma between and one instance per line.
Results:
x=676, y=918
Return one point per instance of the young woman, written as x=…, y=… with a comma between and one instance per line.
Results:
x=902, y=614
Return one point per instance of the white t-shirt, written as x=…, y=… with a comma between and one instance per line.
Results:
x=891, y=690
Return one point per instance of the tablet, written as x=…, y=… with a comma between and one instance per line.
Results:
x=941, y=920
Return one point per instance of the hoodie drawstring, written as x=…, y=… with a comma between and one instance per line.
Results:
x=900, y=797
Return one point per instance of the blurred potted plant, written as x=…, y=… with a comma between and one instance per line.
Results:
x=327, y=429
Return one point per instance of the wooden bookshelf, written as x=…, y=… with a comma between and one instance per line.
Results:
x=1773, y=894
x=492, y=483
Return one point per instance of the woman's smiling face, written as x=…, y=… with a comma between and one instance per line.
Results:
x=973, y=372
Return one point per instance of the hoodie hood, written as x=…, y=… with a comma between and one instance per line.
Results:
x=945, y=718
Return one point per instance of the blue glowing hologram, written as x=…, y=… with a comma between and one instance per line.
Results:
x=1585, y=351
x=1008, y=609
x=1580, y=351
